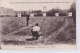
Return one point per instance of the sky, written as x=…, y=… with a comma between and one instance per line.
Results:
x=20, y=5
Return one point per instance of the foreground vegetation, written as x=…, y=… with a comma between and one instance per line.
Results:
x=54, y=30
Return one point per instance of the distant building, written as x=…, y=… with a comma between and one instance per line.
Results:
x=6, y=12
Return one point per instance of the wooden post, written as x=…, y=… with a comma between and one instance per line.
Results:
x=19, y=14
x=56, y=14
x=44, y=14
x=70, y=14
x=32, y=15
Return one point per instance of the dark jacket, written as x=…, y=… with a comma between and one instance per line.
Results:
x=27, y=16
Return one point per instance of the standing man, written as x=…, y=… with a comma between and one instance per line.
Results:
x=27, y=18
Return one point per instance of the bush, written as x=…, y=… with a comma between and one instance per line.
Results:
x=53, y=11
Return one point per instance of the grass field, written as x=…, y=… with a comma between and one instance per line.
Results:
x=54, y=30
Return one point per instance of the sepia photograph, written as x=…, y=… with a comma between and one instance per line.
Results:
x=37, y=24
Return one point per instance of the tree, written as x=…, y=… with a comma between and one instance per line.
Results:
x=73, y=10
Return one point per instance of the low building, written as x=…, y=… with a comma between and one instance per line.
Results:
x=6, y=12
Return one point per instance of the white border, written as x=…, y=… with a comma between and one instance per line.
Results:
x=56, y=51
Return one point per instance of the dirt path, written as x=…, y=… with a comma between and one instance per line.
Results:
x=60, y=28
x=57, y=31
x=22, y=28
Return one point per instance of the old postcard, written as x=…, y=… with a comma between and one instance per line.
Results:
x=37, y=24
